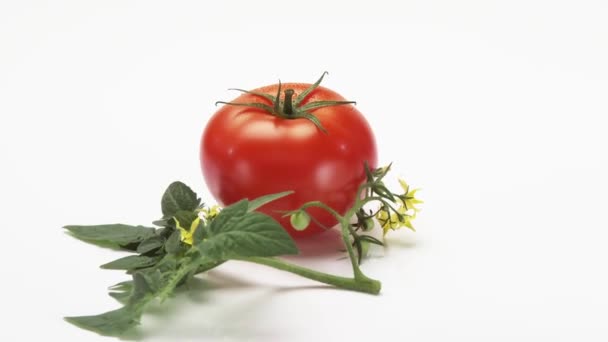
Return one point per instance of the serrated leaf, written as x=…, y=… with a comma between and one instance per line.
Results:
x=157, y=282
x=178, y=196
x=167, y=264
x=141, y=287
x=121, y=297
x=111, y=323
x=236, y=233
x=111, y=235
x=260, y=201
x=161, y=223
x=227, y=217
x=126, y=285
x=121, y=291
x=131, y=262
x=173, y=245
x=150, y=244
x=154, y=280
x=199, y=233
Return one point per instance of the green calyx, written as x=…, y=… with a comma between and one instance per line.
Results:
x=289, y=107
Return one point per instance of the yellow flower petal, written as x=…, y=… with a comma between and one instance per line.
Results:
x=187, y=236
x=384, y=219
x=404, y=185
x=211, y=213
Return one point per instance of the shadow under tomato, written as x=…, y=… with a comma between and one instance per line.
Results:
x=321, y=245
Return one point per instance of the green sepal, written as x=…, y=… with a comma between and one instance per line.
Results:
x=290, y=108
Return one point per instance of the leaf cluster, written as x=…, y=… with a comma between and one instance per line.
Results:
x=162, y=260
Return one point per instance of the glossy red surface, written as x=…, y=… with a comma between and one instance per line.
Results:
x=247, y=153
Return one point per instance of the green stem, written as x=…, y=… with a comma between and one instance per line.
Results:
x=364, y=284
x=376, y=198
x=206, y=266
x=288, y=103
x=344, y=227
x=175, y=280
x=324, y=206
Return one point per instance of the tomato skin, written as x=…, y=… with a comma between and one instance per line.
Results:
x=246, y=152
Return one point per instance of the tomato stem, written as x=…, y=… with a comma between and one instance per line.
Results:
x=291, y=108
x=288, y=102
x=364, y=284
x=344, y=228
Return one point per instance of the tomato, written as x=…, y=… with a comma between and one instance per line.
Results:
x=308, y=139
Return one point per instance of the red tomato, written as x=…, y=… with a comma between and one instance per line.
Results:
x=253, y=146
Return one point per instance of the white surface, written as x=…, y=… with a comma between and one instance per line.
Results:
x=496, y=108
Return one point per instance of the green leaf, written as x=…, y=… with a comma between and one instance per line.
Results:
x=178, y=196
x=121, y=296
x=122, y=286
x=145, y=283
x=260, y=201
x=131, y=262
x=150, y=244
x=161, y=223
x=173, y=245
x=228, y=217
x=111, y=235
x=236, y=233
x=156, y=282
x=111, y=323
x=199, y=233
x=121, y=291
x=184, y=218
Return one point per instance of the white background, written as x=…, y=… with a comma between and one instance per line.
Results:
x=497, y=109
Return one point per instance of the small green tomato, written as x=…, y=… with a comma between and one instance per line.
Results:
x=300, y=220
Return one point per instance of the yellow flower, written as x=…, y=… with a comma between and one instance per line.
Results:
x=210, y=213
x=408, y=198
x=393, y=221
x=387, y=221
x=187, y=235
